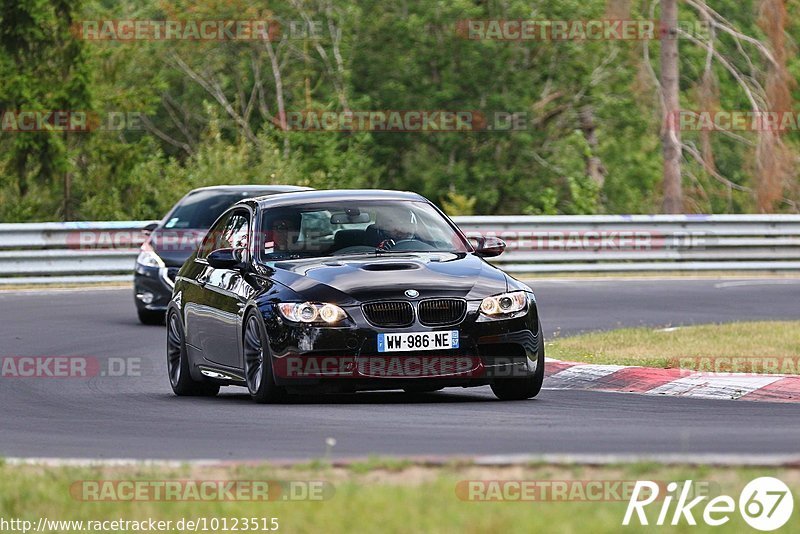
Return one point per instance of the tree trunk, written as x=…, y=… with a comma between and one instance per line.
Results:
x=67, y=208
x=671, y=135
x=594, y=167
x=775, y=165
x=276, y=73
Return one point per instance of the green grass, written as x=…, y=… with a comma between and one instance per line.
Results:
x=375, y=463
x=71, y=285
x=758, y=346
x=380, y=497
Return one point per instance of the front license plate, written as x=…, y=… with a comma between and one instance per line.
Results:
x=408, y=341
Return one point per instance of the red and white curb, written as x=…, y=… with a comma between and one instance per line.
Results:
x=672, y=382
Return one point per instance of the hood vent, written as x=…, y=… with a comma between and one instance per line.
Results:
x=389, y=266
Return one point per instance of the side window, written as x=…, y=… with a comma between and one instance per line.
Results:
x=213, y=237
x=230, y=232
x=237, y=231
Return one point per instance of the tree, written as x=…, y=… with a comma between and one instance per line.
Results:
x=43, y=69
x=670, y=93
x=775, y=161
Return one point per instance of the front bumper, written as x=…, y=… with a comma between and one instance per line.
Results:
x=152, y=287
x=346, y=357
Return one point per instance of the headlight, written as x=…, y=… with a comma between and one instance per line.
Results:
x=148, y=257
x=311, y=312
x=504, y=304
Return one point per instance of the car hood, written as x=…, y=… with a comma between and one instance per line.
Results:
x=354, y=279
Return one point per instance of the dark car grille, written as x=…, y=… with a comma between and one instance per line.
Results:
x=441, y=311
x=396, y=313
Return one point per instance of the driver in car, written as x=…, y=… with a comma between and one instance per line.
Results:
x=394, y=226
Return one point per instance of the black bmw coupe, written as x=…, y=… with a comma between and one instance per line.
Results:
x=342, y=291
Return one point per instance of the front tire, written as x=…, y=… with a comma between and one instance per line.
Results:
x=180, y=378
x=258, y=363
x=522, y=388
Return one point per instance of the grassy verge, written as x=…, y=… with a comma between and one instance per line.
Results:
x=757, y=346
x=400, y=499
x=72, y=285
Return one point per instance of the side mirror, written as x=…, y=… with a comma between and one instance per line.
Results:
x=226, y=258
x=149, y=228
x=489, y=247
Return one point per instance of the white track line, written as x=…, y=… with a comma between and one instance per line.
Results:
x=745, y=283
x=767, y=460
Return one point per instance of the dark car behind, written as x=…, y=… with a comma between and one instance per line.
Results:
x=176, y=237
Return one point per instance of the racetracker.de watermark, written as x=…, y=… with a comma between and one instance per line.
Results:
x=596, y=240
x=166, y=240
x=176, y=30
x=611, y=490
x=749, y=365
x=576, y=30
x=201, y=490
x=411, y=365
x=407, y=120
x=64, y=121
x=52, y=367
x=733, y=120
x=382, y=121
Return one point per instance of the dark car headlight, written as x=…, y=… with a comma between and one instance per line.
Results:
x=148, y=257
x=312, y=312
x=504, y=304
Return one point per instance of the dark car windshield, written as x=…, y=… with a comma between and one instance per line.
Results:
x=201, y=208
x=356, y=227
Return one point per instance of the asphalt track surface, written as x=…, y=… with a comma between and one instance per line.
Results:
x=138, y=417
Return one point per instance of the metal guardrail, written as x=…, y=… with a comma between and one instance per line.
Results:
x=624, y=243
x=73, y=252
x=105, y=251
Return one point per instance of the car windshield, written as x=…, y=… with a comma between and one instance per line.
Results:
x=201, y=208
x=356, y=227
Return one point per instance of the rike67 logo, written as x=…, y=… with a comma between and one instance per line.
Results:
x=765, y=504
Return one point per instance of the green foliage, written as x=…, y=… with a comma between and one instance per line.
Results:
x=212, y=108
x=43, y=68
x=458, y=204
